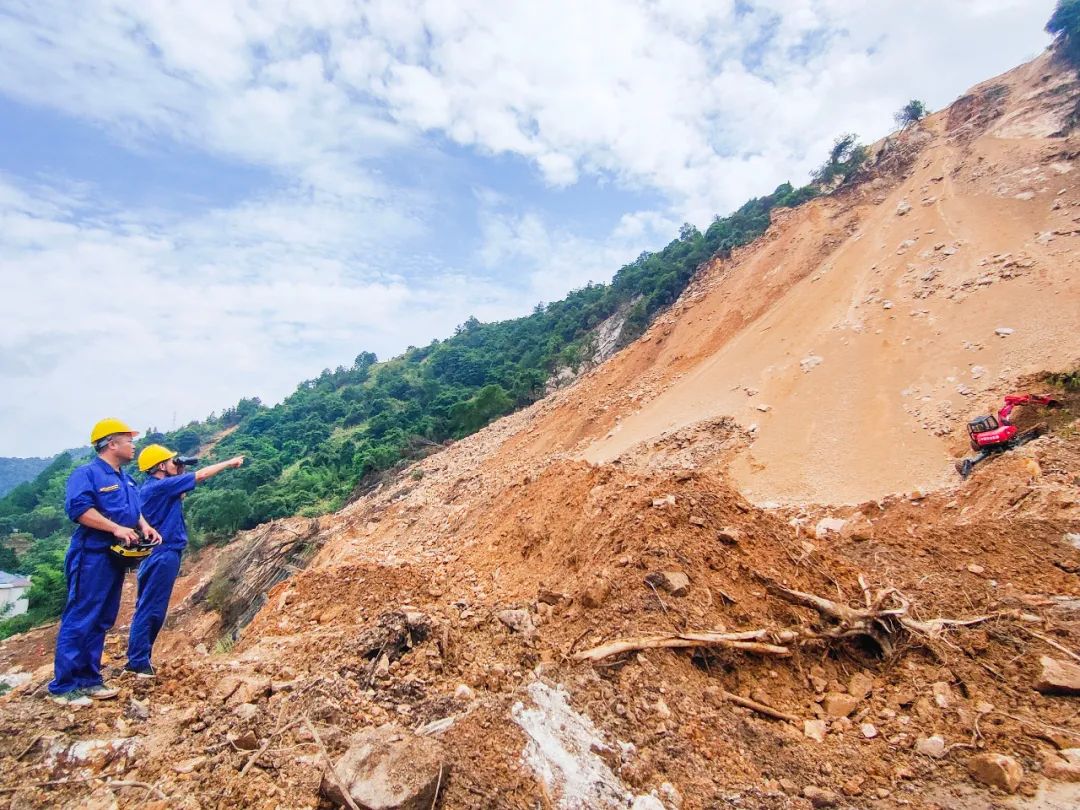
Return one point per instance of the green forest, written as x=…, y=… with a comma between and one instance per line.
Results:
x=340, y=432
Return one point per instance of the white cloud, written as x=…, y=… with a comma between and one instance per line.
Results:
x=699, y=105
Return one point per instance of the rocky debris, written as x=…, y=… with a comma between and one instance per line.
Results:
x=246, y=741
x=886, y=304
x=674, y=582
x=1058, y=677
x=932, y=746
x=811, y=362
x=943, y=695
x=902, y=208
x=246, y=712
x=697, y=520
x=729, y=536
x=666, y=500
x=519, y=621
x=814, y=729
x=464, y=692
x=820, y=797
x=996, y=770
x=839, y=704
x=858, y=528
x=764, y=408
x=394, y=633
x=387, y=768
x=138, y=709
x=1003, y=331
x=860, y=685
x=549, y=597
x=596, y=593
x=95, y=754
x=905, y=246
x=827, y=526
x=190, y=765
x=868, y=730
x=1063, y=766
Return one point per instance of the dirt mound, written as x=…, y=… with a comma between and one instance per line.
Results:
x=856, y=645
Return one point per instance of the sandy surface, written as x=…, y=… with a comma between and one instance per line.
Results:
x=862, y=347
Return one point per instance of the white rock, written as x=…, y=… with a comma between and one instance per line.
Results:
x=814, y=729
x=1003, y=331
x=868, y=730
x=933, y=746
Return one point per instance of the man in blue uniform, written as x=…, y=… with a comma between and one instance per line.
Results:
x=161, y=496
x=104, y=501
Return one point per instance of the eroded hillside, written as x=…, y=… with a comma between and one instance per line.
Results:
x=877, y=637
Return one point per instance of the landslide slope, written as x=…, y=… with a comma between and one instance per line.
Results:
x=865, y=322
x=453, y=600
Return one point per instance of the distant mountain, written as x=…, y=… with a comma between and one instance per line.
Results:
x=13, y=471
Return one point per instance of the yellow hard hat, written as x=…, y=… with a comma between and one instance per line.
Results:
x=107, y=427
x=152, y=455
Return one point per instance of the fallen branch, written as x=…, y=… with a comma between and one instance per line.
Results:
x=330, y=765
x=148, y=788
x=761, y=708
x=30, y=745
x=747, y=640
x=1052, y=643
x=265, y=746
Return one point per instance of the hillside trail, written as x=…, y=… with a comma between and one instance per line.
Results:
x=778, y=428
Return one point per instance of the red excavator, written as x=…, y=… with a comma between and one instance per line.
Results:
x=990, y=435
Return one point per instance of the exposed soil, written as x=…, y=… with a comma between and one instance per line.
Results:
x=659, y=461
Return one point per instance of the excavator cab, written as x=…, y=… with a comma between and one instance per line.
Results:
x=982, y=424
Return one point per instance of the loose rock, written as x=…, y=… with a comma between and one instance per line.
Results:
x=814, y=729
x=519, y=621
x=933, y=746
x=820, y=797
x=1058, y=677
x=388, y=768
x=839, y=704
x=1064, y=768
x=674, y=582
x=996, y=770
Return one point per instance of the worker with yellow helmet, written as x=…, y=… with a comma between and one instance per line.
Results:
x=104, y=501
x=161, y=499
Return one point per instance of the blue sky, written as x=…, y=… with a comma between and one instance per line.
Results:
x=204, y=201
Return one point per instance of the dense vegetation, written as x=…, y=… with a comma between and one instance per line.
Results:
x=1064, y=24
x=341, y=430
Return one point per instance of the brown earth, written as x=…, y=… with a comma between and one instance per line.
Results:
x=651, y=463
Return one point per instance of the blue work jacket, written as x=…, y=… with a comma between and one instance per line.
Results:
x=112, y=492
x=163, y=507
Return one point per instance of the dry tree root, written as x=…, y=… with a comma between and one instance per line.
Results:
x=885, y=618
x=747, y=640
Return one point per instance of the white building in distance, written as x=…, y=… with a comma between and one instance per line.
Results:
x=13, y=588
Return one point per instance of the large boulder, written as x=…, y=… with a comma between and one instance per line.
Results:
x=388, y=768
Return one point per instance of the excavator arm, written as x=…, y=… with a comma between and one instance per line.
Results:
x=1014, y=400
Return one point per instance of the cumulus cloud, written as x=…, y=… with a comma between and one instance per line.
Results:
x=697, y=106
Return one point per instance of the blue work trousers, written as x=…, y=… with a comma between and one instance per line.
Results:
x=157, y=575
x=94, y=583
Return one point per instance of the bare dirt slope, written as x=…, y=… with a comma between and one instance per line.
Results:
x=865, y=323
x=456, y=600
